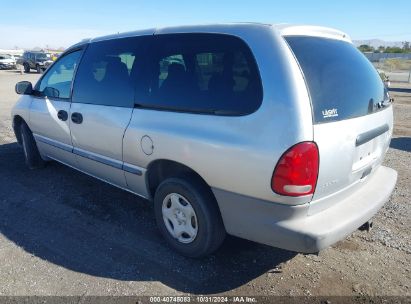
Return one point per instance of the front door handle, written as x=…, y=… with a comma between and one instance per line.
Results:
x=77, y=118
x=62, y=115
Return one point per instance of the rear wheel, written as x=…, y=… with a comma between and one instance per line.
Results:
x=188, y=217
x=26, y=67
x=31, y=152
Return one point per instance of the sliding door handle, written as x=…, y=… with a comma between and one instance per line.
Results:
x=77, y=118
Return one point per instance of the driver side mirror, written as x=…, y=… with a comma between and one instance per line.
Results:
x=24, y=88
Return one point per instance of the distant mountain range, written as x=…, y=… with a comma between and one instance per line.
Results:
x=378, y=42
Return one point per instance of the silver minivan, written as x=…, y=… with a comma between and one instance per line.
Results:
x=275, y=134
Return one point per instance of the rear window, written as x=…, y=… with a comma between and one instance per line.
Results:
x=342, y=82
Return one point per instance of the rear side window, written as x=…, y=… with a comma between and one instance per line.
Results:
x=202, y=73
x=108, y=70
x=342, y=82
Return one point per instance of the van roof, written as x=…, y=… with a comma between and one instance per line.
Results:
x=283, y=29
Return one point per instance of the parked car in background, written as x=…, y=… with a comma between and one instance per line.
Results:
x=18, y=60
x=33, y=60
x=47, y=64
x=7, y=62
x=274, y=134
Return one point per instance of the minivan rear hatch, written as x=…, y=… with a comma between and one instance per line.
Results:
x=352, y=116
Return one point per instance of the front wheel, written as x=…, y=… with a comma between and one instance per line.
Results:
x=188, y=217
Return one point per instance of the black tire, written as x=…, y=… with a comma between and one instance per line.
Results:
x=211, y=231
x=38, y=69
x=26, y=67
x=31, y=152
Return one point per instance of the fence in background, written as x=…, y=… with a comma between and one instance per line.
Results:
x=375, y=57
x=397, y=66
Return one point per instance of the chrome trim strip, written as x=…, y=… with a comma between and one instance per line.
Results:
x=133, y=169
x=53, y=143
x=99, y=158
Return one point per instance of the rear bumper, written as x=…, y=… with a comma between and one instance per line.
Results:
x=292, y=228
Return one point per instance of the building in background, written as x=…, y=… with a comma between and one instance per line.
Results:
x=12, y=52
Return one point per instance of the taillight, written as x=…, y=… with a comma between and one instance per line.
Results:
x=297, y=170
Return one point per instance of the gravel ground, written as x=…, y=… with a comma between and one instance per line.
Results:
x=64, y=233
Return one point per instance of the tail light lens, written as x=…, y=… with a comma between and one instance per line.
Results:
x=297, y=170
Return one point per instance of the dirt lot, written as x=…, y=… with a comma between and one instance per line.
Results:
x=64, y=233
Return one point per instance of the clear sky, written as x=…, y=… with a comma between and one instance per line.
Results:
x=30, y=23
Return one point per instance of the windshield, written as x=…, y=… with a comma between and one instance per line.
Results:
x=342, y=82
x=42, y=56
